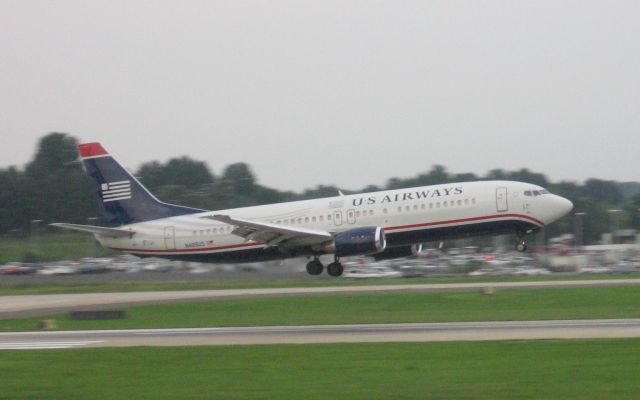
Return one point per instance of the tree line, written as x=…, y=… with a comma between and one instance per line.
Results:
x=53, y=188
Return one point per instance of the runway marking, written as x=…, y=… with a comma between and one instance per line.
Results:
x=46, y=345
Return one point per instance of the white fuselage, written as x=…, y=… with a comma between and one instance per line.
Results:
x=408, y=216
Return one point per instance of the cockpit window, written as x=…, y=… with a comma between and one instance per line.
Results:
x=536, y=192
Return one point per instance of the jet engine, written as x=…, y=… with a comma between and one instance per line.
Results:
x=358, y=241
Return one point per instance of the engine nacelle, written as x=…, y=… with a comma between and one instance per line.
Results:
x=358, y=241
x=399, y=252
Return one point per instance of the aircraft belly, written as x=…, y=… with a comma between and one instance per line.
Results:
x=235, y=256
x=431, y=234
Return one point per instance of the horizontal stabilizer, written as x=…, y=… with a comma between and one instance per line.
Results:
x=98, y=230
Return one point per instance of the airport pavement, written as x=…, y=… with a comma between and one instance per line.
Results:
x=33, y=305
x=424, y=332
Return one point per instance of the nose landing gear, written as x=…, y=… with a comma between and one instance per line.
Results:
x=521, y=245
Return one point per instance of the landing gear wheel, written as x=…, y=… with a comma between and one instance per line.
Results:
x=521, y=246
x=335, y=269
x=314, y=267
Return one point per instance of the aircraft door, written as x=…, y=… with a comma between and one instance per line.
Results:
x=502, y=204
x=337, y=218
x=351, y=216
x=170, y=238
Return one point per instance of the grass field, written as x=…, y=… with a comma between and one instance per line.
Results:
x=50, y=247
x=104, y=287
x=503, y=305
x=582, y=369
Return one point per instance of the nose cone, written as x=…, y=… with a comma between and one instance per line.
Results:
x=558, y=208
x=565, y=205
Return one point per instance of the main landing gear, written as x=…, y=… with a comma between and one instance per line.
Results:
x=521, y=245
x=315, y=267
x=335, y=268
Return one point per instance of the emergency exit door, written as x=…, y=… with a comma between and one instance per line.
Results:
x=337, y=218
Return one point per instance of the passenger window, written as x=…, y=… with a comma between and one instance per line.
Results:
x=466, y=202
x=408, y=208
x=438, y=205
x=313, y=219
x=385, y=211
x=459, y=202
x=423, y=206
x=371, y=212
x=415, y=207
x=430, y=205
x=329, y=217
x=357, y=214
x=473, y=201
x=399, y=209
x=444, y=204
x=306, y=219
x=321, y=218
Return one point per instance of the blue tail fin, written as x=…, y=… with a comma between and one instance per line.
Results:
x=123, y=198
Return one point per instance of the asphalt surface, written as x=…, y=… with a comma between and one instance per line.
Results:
x=428, y=332
x=33, y=305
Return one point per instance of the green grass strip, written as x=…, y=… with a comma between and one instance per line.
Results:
x=7, y=289
x=503, y=305
x=577, y=369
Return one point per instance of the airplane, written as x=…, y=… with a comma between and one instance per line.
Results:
x=384, y=224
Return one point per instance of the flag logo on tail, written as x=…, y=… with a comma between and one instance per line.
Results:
x=113, y=191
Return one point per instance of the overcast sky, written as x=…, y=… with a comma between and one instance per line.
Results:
x=330, y=92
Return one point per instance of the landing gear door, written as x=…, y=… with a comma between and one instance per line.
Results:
x=502, y=204
x=169, y=238
x=337, y=218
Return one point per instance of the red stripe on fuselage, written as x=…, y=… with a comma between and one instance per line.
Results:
x=91, y=150
x=390, y=228
x=463, y=220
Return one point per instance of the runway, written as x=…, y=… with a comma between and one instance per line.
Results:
x=33, y=305
x=423, y=332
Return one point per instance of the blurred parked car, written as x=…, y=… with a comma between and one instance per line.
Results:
x=15, y=268
x=372, y=272
x=57, y=269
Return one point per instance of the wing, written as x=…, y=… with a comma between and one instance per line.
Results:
x=275, y=235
